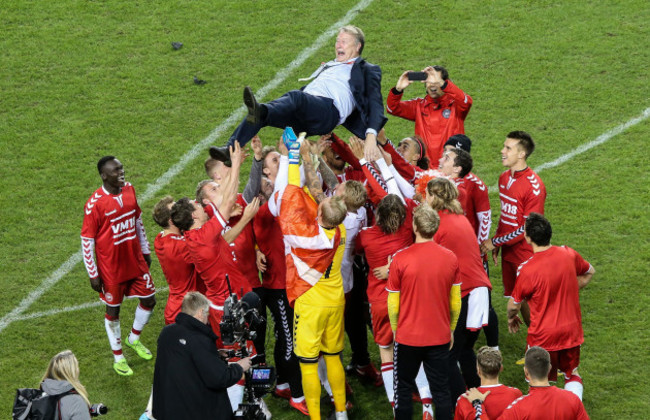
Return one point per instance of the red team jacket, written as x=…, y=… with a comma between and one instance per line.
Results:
x=435, y=119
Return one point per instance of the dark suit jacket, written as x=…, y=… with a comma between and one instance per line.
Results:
x=365, y=83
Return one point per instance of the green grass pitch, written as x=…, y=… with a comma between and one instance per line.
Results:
x=81, y=79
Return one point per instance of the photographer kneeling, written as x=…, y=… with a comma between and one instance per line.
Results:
x=191, y=378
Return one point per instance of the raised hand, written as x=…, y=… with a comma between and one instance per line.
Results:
x=403, y=82
x=256, y=145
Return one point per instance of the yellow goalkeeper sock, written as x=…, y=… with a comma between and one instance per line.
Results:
x=336, y=377
x=311, y=388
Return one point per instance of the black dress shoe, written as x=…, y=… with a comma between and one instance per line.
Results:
x=220, y=153
x=254, y=109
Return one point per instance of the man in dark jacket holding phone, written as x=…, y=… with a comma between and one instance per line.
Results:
x=190, y=378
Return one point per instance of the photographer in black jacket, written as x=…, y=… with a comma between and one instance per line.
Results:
x=190, y=378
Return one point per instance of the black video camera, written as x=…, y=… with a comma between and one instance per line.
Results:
x=240, y=319
x=259, y=381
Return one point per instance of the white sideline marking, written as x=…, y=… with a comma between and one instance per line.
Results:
x=69, y=308
x=578, y=150
x=193, y=153
x=587, y=146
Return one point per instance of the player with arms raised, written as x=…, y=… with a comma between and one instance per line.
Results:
x=113, y=231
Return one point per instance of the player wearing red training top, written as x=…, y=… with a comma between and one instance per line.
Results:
x=439, y=115
x=475, y=200
x=456, y=163
x=455, y=233
x=488, y=364
x=174, y=260
x=521, y=192
x=112, y=229
x=549, y=281
x=543, y=402
x=392, y=231
x=423, y=301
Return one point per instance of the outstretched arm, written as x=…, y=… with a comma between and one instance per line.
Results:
x=312, y=181
x=254, y=183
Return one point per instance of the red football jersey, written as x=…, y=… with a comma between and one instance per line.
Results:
x=213, y=259
x=520, y=194
x=546, y=402
x=548, y=282
x=499, y=399
x=476, y=204
x=268, y=236
x=378, y=246
x=244, y=247
x=175, y=261
x=423, y=274
x=110, y=220
x=455, y=233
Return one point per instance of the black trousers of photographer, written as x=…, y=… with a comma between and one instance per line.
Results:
x=285, y=360
x=406, y=362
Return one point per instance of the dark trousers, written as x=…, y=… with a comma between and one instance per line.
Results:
x=406, y=361
x=491, y=330
x=296, y=109
x=356, y=313
x=463, y=354
x=285, y=360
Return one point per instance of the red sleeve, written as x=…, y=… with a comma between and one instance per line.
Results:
x=480, y=197
x=405, y=109
x=522, y=290
x=90, y=224
x=464, y=410
x=215, y=225
x=394, y=283
x=582, y=266
x=403, y=167
x=534, y=200
x=374, y=180
x=462, y=101
x=581, y=412
x=342, y=149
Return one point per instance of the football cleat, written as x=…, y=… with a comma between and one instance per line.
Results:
x=282, y=393
x=521, y=361
x=140, y=349
x=368, y=372
x=300, y=406
x=122, y=368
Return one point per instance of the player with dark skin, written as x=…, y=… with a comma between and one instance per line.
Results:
x=113, y=181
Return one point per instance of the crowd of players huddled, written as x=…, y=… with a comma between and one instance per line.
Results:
x=338, y=236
